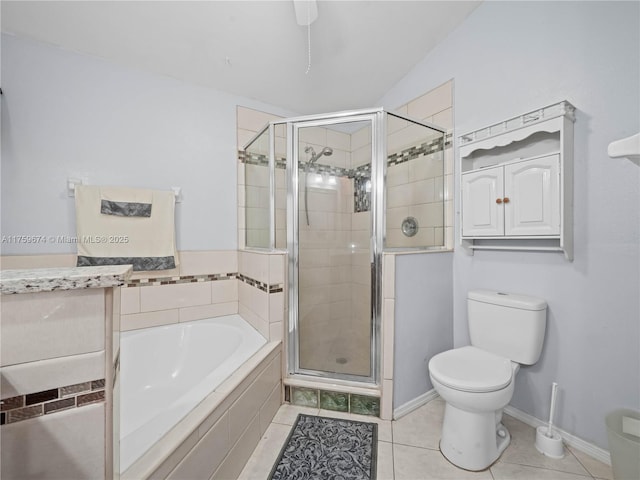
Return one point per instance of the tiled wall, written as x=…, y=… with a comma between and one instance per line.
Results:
x=253, y=177
x=426, y=186
x=205, y=285
x=263, y=305
x=56, y=405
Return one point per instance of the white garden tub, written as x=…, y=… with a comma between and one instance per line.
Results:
x=166, y=371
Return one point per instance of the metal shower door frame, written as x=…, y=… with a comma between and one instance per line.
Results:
x=376, y=119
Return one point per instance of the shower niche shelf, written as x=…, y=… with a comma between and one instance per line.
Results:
x=516, y=183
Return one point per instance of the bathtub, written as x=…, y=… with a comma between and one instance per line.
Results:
x=166, y=371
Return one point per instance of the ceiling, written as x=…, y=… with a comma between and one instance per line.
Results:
x=359, y=49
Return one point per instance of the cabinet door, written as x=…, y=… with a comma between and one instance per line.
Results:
x=532, y=188
x=482, y=216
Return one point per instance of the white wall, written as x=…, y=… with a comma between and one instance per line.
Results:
x=510, y=57
x=66, y=114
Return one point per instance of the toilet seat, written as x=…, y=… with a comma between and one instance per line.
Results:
x=470, y=369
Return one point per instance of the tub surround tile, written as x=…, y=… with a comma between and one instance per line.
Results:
x=130, y=301
x=260, y=324
x=255, y=300
x=65, y=444
x=270, y=407
x=30, y=405
x=51, y=315
x=187, y=314
x=149, y=319
x=165, y=297
x=224, y=292
x=253, y=398
x=72, y=372
x=207, y=455
x=50, y=279
x=276, y=332
x=58, y=405
x=150, y=281
x=240, y=453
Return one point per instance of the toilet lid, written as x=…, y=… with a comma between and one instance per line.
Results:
x=471, y=369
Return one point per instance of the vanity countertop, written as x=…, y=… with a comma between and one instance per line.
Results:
x=71, y=278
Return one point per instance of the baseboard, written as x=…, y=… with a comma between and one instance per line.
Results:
x=414, y=404
x=579, y=444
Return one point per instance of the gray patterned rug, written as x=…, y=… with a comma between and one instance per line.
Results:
x=321, y=448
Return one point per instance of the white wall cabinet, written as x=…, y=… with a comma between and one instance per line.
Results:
x=519, y=199
x=516, y=183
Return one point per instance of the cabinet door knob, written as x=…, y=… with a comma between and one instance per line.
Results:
x=498, y=201
x=506, y=200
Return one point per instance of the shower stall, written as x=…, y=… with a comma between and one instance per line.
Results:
x=336, y=191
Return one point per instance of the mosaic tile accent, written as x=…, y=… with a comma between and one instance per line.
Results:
x=360, y=175
x=329, y=400
x=31, y=405
x=155, y=281
x=361, y=197
x=411, y=153
x=305, y=397
x=57, y=405
x=426, y=148
x=365, y=405
x=148, y=282
x=337, y=401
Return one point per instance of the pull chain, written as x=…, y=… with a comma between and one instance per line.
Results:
x=308, y=39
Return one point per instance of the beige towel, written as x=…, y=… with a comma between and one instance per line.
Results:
x=136, y=228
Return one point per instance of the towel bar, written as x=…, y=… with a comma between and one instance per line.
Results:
x=72, y=182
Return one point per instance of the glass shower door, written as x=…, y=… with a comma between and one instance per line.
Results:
x=334, y=324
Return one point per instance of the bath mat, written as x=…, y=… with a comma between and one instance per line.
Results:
x=320, y=448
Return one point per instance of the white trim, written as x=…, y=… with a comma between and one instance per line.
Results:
x=590, y=449
x=414, y=404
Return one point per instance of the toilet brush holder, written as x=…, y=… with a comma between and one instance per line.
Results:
x=551, y=446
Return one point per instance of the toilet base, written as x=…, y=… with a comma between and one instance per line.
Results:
x=473, y=440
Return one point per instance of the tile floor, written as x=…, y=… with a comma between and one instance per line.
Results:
x=408, y=450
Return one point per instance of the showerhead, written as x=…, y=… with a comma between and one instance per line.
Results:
x=315, y=156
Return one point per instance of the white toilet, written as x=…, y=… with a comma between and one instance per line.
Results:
x=477, y=381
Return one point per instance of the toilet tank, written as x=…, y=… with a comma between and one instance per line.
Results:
x=507, y=324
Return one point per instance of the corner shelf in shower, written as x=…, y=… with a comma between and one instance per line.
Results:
x=516, y=183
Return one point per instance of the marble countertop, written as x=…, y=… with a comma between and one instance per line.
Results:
x=50, y=279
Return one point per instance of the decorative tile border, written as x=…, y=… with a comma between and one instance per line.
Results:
x=155, y=281
x=405, y=155
x=149, y=282
x=31, y=405
x=329, y=400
